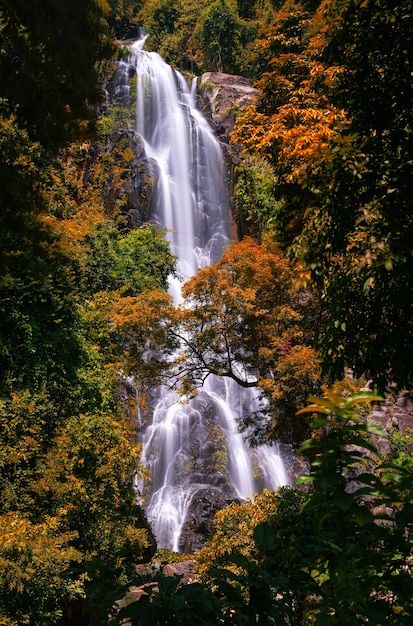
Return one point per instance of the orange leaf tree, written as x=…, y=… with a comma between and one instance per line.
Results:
x=356, y=239
x=334, y=121
x=243, y=320
x=293, y=122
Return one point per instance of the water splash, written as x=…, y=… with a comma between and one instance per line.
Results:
x=190, y=199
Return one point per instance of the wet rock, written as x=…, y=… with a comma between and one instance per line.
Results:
x=199, y=524
x=117, y=85
x=393, y=414
x=186, y=569
x=402, y=414
x=295, y=464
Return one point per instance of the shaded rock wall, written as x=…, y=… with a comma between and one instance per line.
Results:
x=199, y=524
x=130, y=183
x=393, y=414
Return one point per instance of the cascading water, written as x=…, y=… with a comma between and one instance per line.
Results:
x=191, y=447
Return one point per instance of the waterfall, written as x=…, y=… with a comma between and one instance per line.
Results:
x=193, y=447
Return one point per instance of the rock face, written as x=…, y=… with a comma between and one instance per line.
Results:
x=219, y=97
x=402, y=413
x=391, y=415
x=199, y=523
x=130, y=183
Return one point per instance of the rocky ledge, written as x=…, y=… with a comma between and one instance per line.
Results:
x=220, y=95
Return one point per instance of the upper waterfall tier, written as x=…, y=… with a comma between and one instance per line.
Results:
x=190, y=197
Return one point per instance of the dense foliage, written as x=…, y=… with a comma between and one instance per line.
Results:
x=203, y=36
x=334, y=124
x=71, y=530
x=49, y=67
x=327, y=153
x=325, y=173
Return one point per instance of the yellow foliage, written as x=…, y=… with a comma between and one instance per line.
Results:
x=234, y=529
x=128, y=155
x=30, y=553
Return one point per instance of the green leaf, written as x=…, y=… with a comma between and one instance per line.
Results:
x=168, y=585
x=363, y=396
x=264, y=536
x=375, y=429
x=305, y=479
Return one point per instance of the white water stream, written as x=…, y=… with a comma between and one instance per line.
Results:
x=190, y=200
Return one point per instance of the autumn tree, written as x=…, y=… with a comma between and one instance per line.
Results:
x=333, y=122
x=67, y=502
x=289, y=128
x=243, y=320
x=356, y=237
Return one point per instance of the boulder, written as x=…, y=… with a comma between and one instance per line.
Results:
x=199, y=524
x=394, y=414
x=220, y=95
x=186, y=569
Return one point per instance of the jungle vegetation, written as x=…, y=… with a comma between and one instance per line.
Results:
x=322, y=286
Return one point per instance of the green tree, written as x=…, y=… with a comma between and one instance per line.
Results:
x=172, y=604
x=128, y=263
x=170, y=26
x=254, y=195
x=196, y=36
x=49, y=63
x=253, y=560
x=22, y=173
x=222, y=35
x=123, y=18
x=38, y=311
